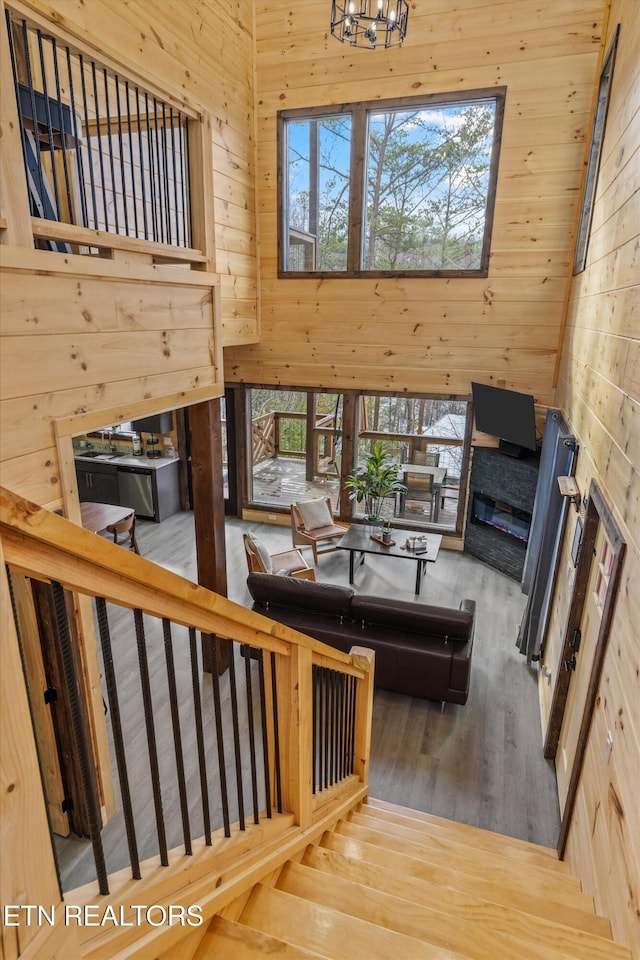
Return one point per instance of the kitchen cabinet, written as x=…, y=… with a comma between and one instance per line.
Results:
x=97, y=482
x=157, y=423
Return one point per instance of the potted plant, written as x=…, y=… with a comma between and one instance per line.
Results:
x=377, y=479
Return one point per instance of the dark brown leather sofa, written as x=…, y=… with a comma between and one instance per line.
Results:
x=421, y=650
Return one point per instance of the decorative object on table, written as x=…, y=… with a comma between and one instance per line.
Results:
x=369, y=23
x=386, y=532
x=379, y=538
x=377, y=479
x=312, y=523
x=416, y=544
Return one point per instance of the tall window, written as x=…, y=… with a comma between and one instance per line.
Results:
x=403, y=187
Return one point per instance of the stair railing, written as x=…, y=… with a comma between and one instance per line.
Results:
x=256, y=762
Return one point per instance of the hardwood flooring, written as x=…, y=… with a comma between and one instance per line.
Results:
x=480, y=764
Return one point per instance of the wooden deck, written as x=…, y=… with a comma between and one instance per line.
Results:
x=281, y=481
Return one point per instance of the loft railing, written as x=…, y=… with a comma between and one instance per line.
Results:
x=288, y=743
x=101, y=153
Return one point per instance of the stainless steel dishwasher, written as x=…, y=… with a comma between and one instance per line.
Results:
x=135, y=487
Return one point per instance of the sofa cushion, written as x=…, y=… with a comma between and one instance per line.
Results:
x=311, y=596
x=315, y=513
x=261, y=552
x=416, y=617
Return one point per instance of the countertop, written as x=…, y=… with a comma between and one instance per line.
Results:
x=128, y=460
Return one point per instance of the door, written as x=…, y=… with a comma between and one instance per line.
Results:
x=584, y=652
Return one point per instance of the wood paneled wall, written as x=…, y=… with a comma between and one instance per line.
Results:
x=82, y=336
x=599, y=391
x=434, y=334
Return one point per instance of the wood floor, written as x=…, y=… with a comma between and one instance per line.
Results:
x=479, y=764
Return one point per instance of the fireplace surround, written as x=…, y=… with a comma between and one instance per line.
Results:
x=502, y=490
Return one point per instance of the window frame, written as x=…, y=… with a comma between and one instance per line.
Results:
x=357, y=188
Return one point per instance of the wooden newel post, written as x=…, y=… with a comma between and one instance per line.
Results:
x=364, y=659
x=295, y=724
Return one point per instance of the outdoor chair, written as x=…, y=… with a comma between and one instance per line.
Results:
x=288, y=563
x=312, y=523
x=419, y=487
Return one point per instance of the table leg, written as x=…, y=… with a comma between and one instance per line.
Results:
x=351, y=553
x=421, y=568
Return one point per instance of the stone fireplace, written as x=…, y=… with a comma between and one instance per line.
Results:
x=502, y=490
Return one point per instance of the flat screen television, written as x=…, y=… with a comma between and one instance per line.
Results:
x=508, y=415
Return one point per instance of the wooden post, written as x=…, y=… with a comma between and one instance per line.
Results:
x=364, y=659
x=350, y=403
x=295, y=705
x=208, y=508
x=27, y=868
x=14, y=195
x=310, y=438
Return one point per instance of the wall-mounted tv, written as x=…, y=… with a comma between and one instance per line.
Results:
x=508, y=415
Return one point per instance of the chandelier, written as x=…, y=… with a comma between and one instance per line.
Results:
x=369, y=23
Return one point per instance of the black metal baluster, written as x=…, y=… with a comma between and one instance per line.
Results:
x=80, y=739
x=246, y=653
x=142, y=167
x=88, y=135
x=325, y=730
x=151, y=736
x=18, y=101
x=63, y=136
x=110, y=143
x=341, y=722
x=236, y=737
x=276, y=734
x=131, y=160
x=217, y=709
x=314, y=726
x=159, y=181
x=197, y=709
x=118, y=739
x=47, y=105
x=186, y=181
x=152, y=175
x=175, y=176
x=165, y=167
x=34, y=114
x=265, y=734
x=123, y=178
x=99, y=137
x=78, y=146
x=177, y=738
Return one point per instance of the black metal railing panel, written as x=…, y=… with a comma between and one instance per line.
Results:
x=333, y=727
x=99, y=151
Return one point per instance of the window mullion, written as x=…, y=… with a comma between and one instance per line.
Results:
x=357, y=193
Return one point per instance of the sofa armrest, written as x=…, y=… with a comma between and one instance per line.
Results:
x=461, y=657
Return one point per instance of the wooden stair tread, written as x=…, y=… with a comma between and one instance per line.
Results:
x=438, y=907
x=227, y=940
x=337, y=935
x=435, y=837
x=579, y=916
x=466, y=833
x=539, y=882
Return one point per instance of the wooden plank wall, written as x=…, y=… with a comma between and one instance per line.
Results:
x=77, y=339
x=434, y=334
x=599, y=390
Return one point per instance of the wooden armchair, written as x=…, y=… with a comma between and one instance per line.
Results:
x=312, y=523
x=288, y=563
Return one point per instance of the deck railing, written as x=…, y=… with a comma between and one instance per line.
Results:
x=282, y=738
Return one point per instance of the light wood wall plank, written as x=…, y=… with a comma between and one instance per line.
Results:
x=599, y=390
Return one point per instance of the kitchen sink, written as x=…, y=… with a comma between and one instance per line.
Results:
x=97, y=455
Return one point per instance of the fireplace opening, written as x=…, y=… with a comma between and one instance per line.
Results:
x=501, y=516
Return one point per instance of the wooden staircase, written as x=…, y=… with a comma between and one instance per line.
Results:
x=395, y=883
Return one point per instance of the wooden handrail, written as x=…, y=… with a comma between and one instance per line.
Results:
x=87, y=237
x=38, y=542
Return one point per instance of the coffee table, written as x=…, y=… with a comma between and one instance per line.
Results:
x=357, y=539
